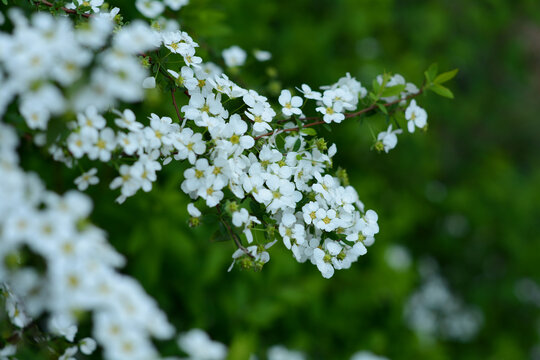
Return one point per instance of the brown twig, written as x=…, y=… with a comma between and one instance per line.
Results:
x=347, y=116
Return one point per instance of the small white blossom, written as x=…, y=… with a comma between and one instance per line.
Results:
x=234, y=56
x=389, y=138
x=86, y=179
x=291, y=104
x=416, y=116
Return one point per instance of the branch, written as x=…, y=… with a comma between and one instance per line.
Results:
x=69, y=11
x=347, y=116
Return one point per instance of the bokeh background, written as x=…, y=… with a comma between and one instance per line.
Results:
x=465, y=195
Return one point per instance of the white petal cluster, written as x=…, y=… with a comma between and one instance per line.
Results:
x=53, y=53
x=81, y=267
x=337, y=98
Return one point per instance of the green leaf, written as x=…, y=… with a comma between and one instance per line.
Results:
x=5, y=2
x=375, y=85
x=446, y=76
x=382, y=108
x=297, y=145
x=431, y=72
x=441, y=90
x=373, y=97
x=309, y=131
x=393, y=90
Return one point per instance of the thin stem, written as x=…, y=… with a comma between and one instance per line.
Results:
x=233, y=235
x=180, y=118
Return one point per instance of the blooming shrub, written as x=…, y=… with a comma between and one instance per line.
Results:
x=255, y=163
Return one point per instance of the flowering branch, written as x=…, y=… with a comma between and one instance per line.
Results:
x=347, y=116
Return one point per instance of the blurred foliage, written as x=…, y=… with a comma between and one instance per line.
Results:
x=466, y=193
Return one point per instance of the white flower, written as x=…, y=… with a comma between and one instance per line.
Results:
x=158, y=132
x=127, y=120
x=105, y=143
x=91, y=119
x=176, y=4
x=326, y=220
x=198, y=345
x=416, y=116
x=310, y=212
x=190, y=59
x=331, y=110
x=262, y=55
x=211, y=190
x=230, y=137
x=81, y=142
x=291, y=104
x=94, y=4
x=16, y=313
x=261, y=116
x=189, y=145
x=150, y=8
x=310, y=94
x=389, y=138
x=234, y=56
x=86, y=179
x=185, y=78
x=369, y=222
x=323, y=262
x=64, y=326
x=194, y=177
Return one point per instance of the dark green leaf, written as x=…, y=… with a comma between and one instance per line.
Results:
x=297, y=144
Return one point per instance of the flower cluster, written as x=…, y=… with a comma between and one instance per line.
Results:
x=282, y=173
x=81, y=266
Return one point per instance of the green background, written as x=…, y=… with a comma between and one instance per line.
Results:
x=478, y=163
